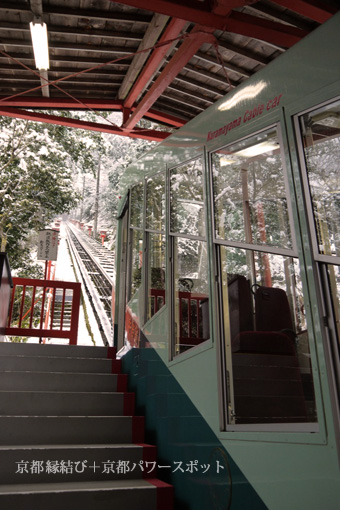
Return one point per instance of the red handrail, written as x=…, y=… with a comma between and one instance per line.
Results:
x=20, y=285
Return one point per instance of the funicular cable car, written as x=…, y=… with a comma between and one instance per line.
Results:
x=229, y=269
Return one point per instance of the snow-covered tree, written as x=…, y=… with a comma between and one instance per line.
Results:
x=36, y=172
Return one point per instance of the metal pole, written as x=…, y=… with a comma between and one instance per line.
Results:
x=96, y=202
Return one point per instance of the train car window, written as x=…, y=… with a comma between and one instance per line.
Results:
x=155, y=203
x=249, y=192
x=136, y=262
x=267, y=362
x=320, y=133
x=267, y=331
x=156, y=274
x=191, y=308
x=321, y=140
x=186, y=199
x=155, y=242
x=190, y=295
x=137, y=206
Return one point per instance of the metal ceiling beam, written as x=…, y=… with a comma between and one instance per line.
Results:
x=100, y=104
x=198, y=12
x=146, y=134
x=195, y=40
x=76, y=31
x=220, y=17
x=203, y=86
x=260, y=59
x=82, y=79
x=317, y=10
x=87, y=14
x=164, y=105
x=274, y=12
x=181, y=100
x=264, y=29
x=191, y=94
x=165, y=118
x=151, y=36
x=231, y=67
x=62, y=45
x=61, y=70
x=92, y=60
x=172, y=31
x=212, y=76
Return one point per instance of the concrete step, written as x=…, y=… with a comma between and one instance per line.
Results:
x=48, y=403
x=65, y=351
x=59, y=364
x=35, y=430
x=61, y=381
x=103, y=495
x=68, y=436
x=80, y=463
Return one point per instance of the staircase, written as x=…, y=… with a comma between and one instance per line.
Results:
x=68, y=435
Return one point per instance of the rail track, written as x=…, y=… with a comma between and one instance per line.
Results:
x=95, y=267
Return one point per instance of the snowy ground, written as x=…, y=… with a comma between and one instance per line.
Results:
x=65, y=272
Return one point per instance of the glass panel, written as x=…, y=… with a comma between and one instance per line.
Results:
x=156, y=274
x=187, y=199
x=137, y=200
x=321, y=138
x=249, y=192
x=136, y=263
x=155, y=202
x=272, y=376
x=333, y=274
x=191, y=293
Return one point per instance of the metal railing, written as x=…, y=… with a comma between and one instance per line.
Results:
x=44, y=309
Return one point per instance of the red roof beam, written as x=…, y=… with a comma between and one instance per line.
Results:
x=171, y=32
x=151, y=134
x=197, y=37
x=319, y=11
x=264, y=30
x=165, y=118
x=60, y=102
x=196, y=12
x=95, y=104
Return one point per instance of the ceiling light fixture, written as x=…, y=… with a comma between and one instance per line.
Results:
x=257, y=149
x=40, y=43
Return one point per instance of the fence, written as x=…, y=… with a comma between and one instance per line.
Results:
x=44, y=309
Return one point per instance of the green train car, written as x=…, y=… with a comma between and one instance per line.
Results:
x=228, y=290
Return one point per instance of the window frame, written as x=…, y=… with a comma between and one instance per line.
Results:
x=171, y=236
x=147, y=234
x=225, y=363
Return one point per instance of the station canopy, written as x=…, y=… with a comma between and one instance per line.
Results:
x=161, y=60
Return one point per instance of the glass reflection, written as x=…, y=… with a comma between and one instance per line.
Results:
x=136, y=208
x=156, y=274
x=191, y=293
x=155, y=203
x=321, y=138
x=136, y=263
x=187, y=199
x=249, y=193
x=268, y=340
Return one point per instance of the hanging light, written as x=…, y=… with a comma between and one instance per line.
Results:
x=40, y=44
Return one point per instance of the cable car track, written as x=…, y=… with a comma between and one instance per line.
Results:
x=96, y=267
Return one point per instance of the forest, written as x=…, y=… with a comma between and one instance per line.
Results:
x=47, y=171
